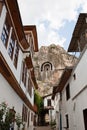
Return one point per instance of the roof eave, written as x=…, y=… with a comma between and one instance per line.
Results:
x=81, y=23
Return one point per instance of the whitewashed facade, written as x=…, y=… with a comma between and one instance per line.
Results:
x=56, y=109
x=73, y=84
x=16, y=79
x=76, y=104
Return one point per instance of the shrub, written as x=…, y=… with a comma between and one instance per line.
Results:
x=7, y=117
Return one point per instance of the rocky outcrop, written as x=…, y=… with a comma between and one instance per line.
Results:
x=49, y=64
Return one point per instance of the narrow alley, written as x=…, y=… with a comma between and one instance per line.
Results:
x=43, y=86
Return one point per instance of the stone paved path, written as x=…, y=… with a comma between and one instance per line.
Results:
x=43, y=128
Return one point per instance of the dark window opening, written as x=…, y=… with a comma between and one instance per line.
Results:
x=67, y=92
x=85, y=118
x=67, y=121
x=49, y=102
x=74, y=76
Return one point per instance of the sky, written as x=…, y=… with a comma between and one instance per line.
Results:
x=54, y=19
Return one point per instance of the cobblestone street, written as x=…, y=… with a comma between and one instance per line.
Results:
x=43, y=128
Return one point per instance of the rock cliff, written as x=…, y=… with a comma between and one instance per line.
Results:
x=49, y=64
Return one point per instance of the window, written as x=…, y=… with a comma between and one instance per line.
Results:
x=16, y=55
x=5, y=32
x=24, y=73
x=31, y=116
x=24, y=113
x=74, y=76
x=67, y=92
x=67, y=121
x=49, y=102
x=11, y=47
x=1, y=6
x=28, y=119
x=30, y=86
x=85, y=118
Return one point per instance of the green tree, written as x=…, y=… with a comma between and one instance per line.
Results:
x=38, y=100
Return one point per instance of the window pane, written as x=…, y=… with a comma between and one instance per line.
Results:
x=5, y=32
x=16, y=55
x=11, y=47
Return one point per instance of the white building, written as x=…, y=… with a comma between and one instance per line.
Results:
x=17, y=79
x=73, y=83
x=49, y=113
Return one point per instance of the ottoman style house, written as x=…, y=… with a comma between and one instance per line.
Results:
x=17, y=79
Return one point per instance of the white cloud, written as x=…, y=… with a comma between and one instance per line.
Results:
x=49, y=16
x=49, y=36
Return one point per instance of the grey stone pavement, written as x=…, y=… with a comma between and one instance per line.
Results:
x=43, y=128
